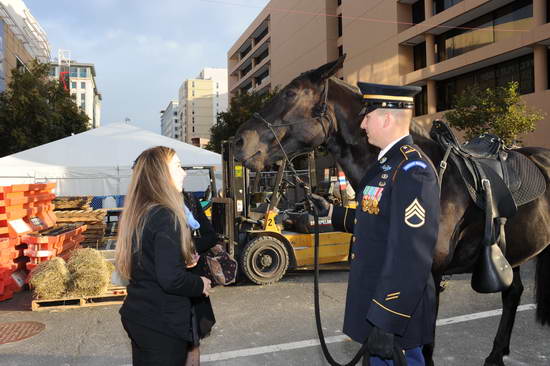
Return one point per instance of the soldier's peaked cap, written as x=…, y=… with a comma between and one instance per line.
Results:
x=387, y=96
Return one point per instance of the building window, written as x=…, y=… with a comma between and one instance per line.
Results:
x=340, y=51
x=419, y=53
x=421, y=102
x=260, y=78
x=340, y=25
x=53, y=71
x=176, y=135
x=74, y=71
x=217, y=85
x=83, y=72
x=339, y=2
x=193, y=93
x=73, y=84
x=193, y=84
x=245, y=51
x=193, y=128
x=261, y=35
x=82, y=85
x=495, y=26
x=520, y=69
x=246, y=70
x=261, y=56
x=418, y=15
x=175, y=113
x=441, y=5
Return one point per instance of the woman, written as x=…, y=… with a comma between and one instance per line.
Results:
x=154, y=251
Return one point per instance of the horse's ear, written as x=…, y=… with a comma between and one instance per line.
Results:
x=327, y=70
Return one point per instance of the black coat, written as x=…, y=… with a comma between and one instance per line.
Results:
x=161, y=287
x=395, y=227
x=204, y=238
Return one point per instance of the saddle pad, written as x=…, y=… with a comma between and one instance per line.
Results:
x=525, y=180
x=532, y=183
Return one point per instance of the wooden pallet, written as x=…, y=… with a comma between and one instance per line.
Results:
x=113, y=296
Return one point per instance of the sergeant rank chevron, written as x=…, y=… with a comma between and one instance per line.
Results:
x=415, y=209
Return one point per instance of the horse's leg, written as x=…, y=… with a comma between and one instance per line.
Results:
x=428, y=349
x=510, y=302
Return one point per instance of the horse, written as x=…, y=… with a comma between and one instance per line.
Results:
x=318, y=109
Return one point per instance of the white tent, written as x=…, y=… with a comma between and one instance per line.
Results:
x=98, y=162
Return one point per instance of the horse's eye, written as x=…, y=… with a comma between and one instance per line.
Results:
x=290, y=94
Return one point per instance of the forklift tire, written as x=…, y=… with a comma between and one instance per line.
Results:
x=264, y=260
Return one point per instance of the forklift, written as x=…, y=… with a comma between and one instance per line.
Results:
x=263, y=221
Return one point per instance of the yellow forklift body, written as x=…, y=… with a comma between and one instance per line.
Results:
x=333, y=247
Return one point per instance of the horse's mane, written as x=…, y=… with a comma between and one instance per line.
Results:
x=417, y=128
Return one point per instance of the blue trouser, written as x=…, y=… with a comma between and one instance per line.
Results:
x=414, y=358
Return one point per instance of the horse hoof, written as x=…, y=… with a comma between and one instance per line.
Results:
x=494, y=362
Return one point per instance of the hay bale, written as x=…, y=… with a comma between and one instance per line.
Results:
x=49, y=279
x=90, y=273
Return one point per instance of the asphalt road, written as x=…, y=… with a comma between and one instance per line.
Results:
x=274, y=325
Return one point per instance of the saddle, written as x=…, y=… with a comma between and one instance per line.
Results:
x=499, y=180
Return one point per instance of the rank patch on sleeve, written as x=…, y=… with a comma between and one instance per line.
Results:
x=415, y=214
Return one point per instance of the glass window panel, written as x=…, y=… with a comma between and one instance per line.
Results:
x=83, y=72
x=419, y=52
x=507, y=72
x=515, y=17
x=74, y=72
x=526, y=75
x=485, y=78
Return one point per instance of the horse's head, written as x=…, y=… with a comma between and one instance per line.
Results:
x=295, y=118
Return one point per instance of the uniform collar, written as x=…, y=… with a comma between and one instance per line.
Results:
x=387, y=152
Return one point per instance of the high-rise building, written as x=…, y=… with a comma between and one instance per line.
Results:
x=444, y=46
x=170, y=125
x=200, y=101
x=79, y=80
x=21, y=39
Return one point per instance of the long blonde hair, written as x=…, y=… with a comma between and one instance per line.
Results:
x=151, y=186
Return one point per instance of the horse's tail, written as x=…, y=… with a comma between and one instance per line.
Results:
x=542, y=287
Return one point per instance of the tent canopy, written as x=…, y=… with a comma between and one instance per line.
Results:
x=98, y=161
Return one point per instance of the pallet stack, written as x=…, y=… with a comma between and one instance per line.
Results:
x=94, y=220
x=28, y=234
x=73, y=203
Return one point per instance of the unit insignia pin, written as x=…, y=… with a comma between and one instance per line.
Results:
x=386, y=167
x=384, y=176
x=383, y=160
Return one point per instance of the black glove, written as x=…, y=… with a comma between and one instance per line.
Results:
x=380, y=343
x=321, y=204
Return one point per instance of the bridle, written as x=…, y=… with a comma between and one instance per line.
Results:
x=322, y=114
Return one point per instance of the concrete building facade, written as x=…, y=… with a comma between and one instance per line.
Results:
x=170, y=125
x=444, y=46
x=80, y=79
x=200, y=101
x=21, y=39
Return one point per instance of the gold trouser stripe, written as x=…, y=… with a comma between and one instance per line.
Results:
x=390, y=310
x=388, y=97
x=393, y=293
x=345, y=217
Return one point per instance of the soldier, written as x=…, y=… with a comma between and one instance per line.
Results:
x=391, y=294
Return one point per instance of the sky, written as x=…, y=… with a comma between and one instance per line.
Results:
x=143, y=50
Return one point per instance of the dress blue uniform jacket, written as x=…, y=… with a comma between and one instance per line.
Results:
x=395, y=229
